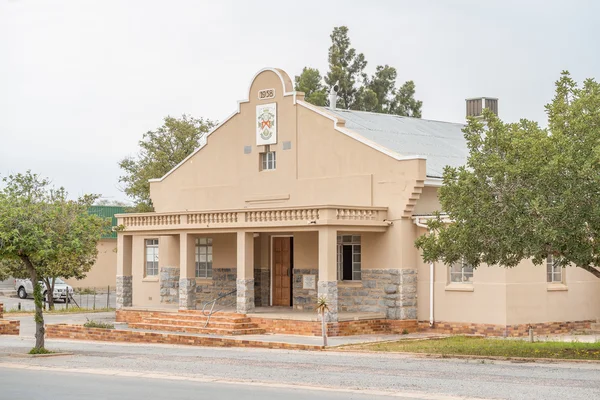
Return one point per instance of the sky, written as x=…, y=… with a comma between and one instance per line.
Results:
x=82, y=80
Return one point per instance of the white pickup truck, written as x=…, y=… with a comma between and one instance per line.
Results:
x=24, y=289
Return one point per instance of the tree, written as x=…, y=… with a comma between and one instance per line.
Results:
x=345, y=67
x=160, y=151
x=310, y=82
x=358, y=91
x=44, y=235
x=526, y=192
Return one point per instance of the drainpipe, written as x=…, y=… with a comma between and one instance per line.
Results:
x=431, y=280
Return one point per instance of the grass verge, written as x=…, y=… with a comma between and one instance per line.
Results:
x=494, y=347
x=70, y=310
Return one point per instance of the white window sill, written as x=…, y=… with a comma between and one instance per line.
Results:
x=350, y=283
x=150, y=279
x=460, y=287
x=557, y=287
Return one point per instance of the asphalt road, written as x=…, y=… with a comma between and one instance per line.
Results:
x=42, y=385
x=432, y=379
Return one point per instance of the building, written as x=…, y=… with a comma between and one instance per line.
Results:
x=103, y=273
x=285, y=201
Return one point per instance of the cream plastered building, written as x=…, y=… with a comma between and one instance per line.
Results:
x=285, y=202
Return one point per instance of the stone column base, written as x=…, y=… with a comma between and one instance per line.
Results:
x=124, y=291
x=169, y=285
x=187, y=294
x=245, y=295
x=329, y=290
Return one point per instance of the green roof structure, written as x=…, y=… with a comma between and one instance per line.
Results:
x=108, y=212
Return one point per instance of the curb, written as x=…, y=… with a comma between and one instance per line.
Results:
x=57, y=354
x=472, y=357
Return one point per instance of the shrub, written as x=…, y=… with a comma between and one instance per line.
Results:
x=95, y=324
x=41, y=350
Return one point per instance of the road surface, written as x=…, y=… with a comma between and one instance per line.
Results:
x=410, y=377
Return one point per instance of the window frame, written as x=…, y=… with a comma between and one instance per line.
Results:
x=268, y=160
x=355, y=241
x=464, y=277
x=552, y=270
x=151, y=244
x=206, y=244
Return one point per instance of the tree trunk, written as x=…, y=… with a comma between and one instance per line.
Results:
x=50, y=293
x=593, y=270
x=37, y=295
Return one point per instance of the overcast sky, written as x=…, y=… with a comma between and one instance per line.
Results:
x=82, y=80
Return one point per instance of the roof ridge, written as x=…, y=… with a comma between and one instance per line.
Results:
x=391, y=115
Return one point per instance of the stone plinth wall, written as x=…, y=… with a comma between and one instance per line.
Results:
x=304, y=299
x=262, y=287
x=223, y=281
x=390, y=291
x=124, y=291
x=547, y=328
x=1, y=310
x=169, y=285
x=79, y=332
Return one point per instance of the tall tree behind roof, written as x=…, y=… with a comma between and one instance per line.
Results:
x=358, y=90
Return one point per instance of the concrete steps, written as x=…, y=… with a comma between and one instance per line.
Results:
x=197, y=329
x=193, y=321
x=221, y=323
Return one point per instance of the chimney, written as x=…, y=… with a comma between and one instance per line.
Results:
x=476, y=105
x=333, y=95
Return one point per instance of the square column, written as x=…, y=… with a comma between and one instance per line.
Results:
x=124, y=278
x=187, y=272
x=328, y=279
x=168, y=265
x=245, y=272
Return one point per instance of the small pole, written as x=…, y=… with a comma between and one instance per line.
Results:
x=67, y=301
x=107, y=298
x=19, y=306
x=94, y=298
x=530, y=334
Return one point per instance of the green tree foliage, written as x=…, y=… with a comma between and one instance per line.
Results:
x=160, y=151
x=526, y=192
x=358, y=91
x=43, y=234
x=310, y=82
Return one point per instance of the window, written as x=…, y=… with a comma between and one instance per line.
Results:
x=151, y=257
x=461, y=272
x=268, y=160
x=204, y=256
x=349, y=257
x=554, y=271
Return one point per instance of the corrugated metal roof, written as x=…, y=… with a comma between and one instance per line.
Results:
x=443, y=143
x=107, y=212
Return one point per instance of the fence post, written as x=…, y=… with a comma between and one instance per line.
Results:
x=94, y=289
x=108, y=298
x=67, y=300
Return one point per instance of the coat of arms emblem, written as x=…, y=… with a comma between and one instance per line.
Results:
x=266, y=124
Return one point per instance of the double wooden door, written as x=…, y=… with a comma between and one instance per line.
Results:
x=282, y=271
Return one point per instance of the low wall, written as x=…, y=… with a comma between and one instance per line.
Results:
x=8, y=327
x=343, y=328
x=548, y=328
x=79, y=332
